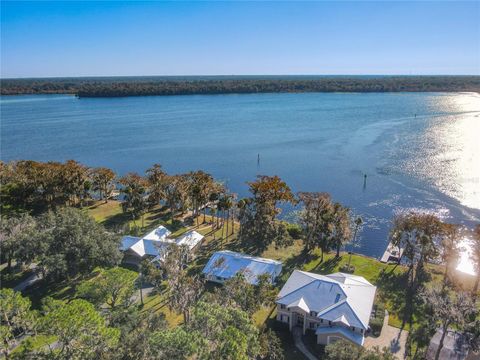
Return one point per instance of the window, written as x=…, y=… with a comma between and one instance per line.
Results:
x=282, y=306
x=321, y=320
x=313, y=313
x=337, y=298
x=313, y=325
x=329, y=323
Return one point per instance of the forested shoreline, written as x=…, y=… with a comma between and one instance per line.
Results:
x=62, y=223
x=162, y=86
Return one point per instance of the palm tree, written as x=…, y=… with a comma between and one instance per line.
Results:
x=227, y=205
x=341, y=226
x=450, y=250
x=358, y=222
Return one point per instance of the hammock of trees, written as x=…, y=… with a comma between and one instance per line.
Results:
x=149, y=86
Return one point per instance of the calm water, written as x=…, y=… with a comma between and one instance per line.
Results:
x=316, y=142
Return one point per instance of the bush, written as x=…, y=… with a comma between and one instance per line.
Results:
x=376, y=322
x=294, y=230
x=347, y=269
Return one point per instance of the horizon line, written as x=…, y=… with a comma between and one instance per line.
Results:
x=223, y=75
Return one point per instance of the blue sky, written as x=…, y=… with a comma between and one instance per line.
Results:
x=209, y=38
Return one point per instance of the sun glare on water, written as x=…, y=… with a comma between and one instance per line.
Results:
x=465, y=262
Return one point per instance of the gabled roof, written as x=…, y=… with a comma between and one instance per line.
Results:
x=339, y=297
x=128, y=241
x=226, y=264
x=159, y=234
x=190, y=239
x=148, y=244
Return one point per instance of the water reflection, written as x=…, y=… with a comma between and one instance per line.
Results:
x=465, y=263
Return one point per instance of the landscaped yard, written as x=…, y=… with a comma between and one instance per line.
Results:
x=391, y=280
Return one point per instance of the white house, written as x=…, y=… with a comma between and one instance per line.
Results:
x=224, y=265
x=150, y=245
x=335, y=306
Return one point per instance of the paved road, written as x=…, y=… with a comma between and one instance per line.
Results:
x=390, y=337
x=297, y=338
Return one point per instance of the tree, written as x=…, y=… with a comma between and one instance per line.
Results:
x=16, y=318
x=16, y=238
x=259, y=214
x=316, y=220
x=342, y=231
x=81, y=331
x=237, y=291
x=450, y=251
x=177, y=343
x=476, y=257
x=156, y=178
x=176, y=191
x=224, y=332
x=270, y=346
x=417, y=234
x=134, y=191
x=70, y=243
x=74, y=177
x=138, y=328
x=200, y=186
x=358, y=223
x=446, y=309
x=114, y=287
x=183, y=290
x=103, y=182
x=345, y=350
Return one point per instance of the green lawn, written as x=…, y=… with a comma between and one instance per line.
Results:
x=391, y=280
x=33, y=343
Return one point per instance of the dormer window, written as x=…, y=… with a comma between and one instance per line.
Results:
x=313, y=313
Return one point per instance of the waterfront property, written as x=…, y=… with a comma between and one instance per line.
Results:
x=224, y=265
x=150, y=246
x=336, y=306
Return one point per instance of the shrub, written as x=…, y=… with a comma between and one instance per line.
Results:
x=294, y=230
x=347, y=269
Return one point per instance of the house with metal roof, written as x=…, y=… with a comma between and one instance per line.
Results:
x=151, y=244
x=335, y=306
x=225, y=264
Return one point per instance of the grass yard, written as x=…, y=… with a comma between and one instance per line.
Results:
x=33, y=343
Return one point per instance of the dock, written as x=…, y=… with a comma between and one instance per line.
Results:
x=392, y=254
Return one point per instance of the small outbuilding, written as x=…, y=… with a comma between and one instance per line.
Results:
x=224, y=265
x=150, y=246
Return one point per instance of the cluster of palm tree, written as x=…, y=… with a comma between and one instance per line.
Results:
x=196, y=191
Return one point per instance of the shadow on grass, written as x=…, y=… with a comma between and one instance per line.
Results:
x=394, y=290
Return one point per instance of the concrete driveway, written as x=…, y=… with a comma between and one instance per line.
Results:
x=390, y=337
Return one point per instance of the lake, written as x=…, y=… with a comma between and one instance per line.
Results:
x=419, y=150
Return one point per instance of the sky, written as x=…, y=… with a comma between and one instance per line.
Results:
x=55, y=39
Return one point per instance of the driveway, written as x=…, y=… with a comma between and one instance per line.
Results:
x=390, y=337
x=297, y=338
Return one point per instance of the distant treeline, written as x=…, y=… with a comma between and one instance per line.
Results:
x=148, y=86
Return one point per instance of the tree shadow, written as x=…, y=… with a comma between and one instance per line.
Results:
x=327, y=267
x=395, y=291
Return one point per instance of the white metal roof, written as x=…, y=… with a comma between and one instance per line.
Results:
x=226, y=264
x=148, y=244
x=336, y=297
x=190, y=238
x=158, y=234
